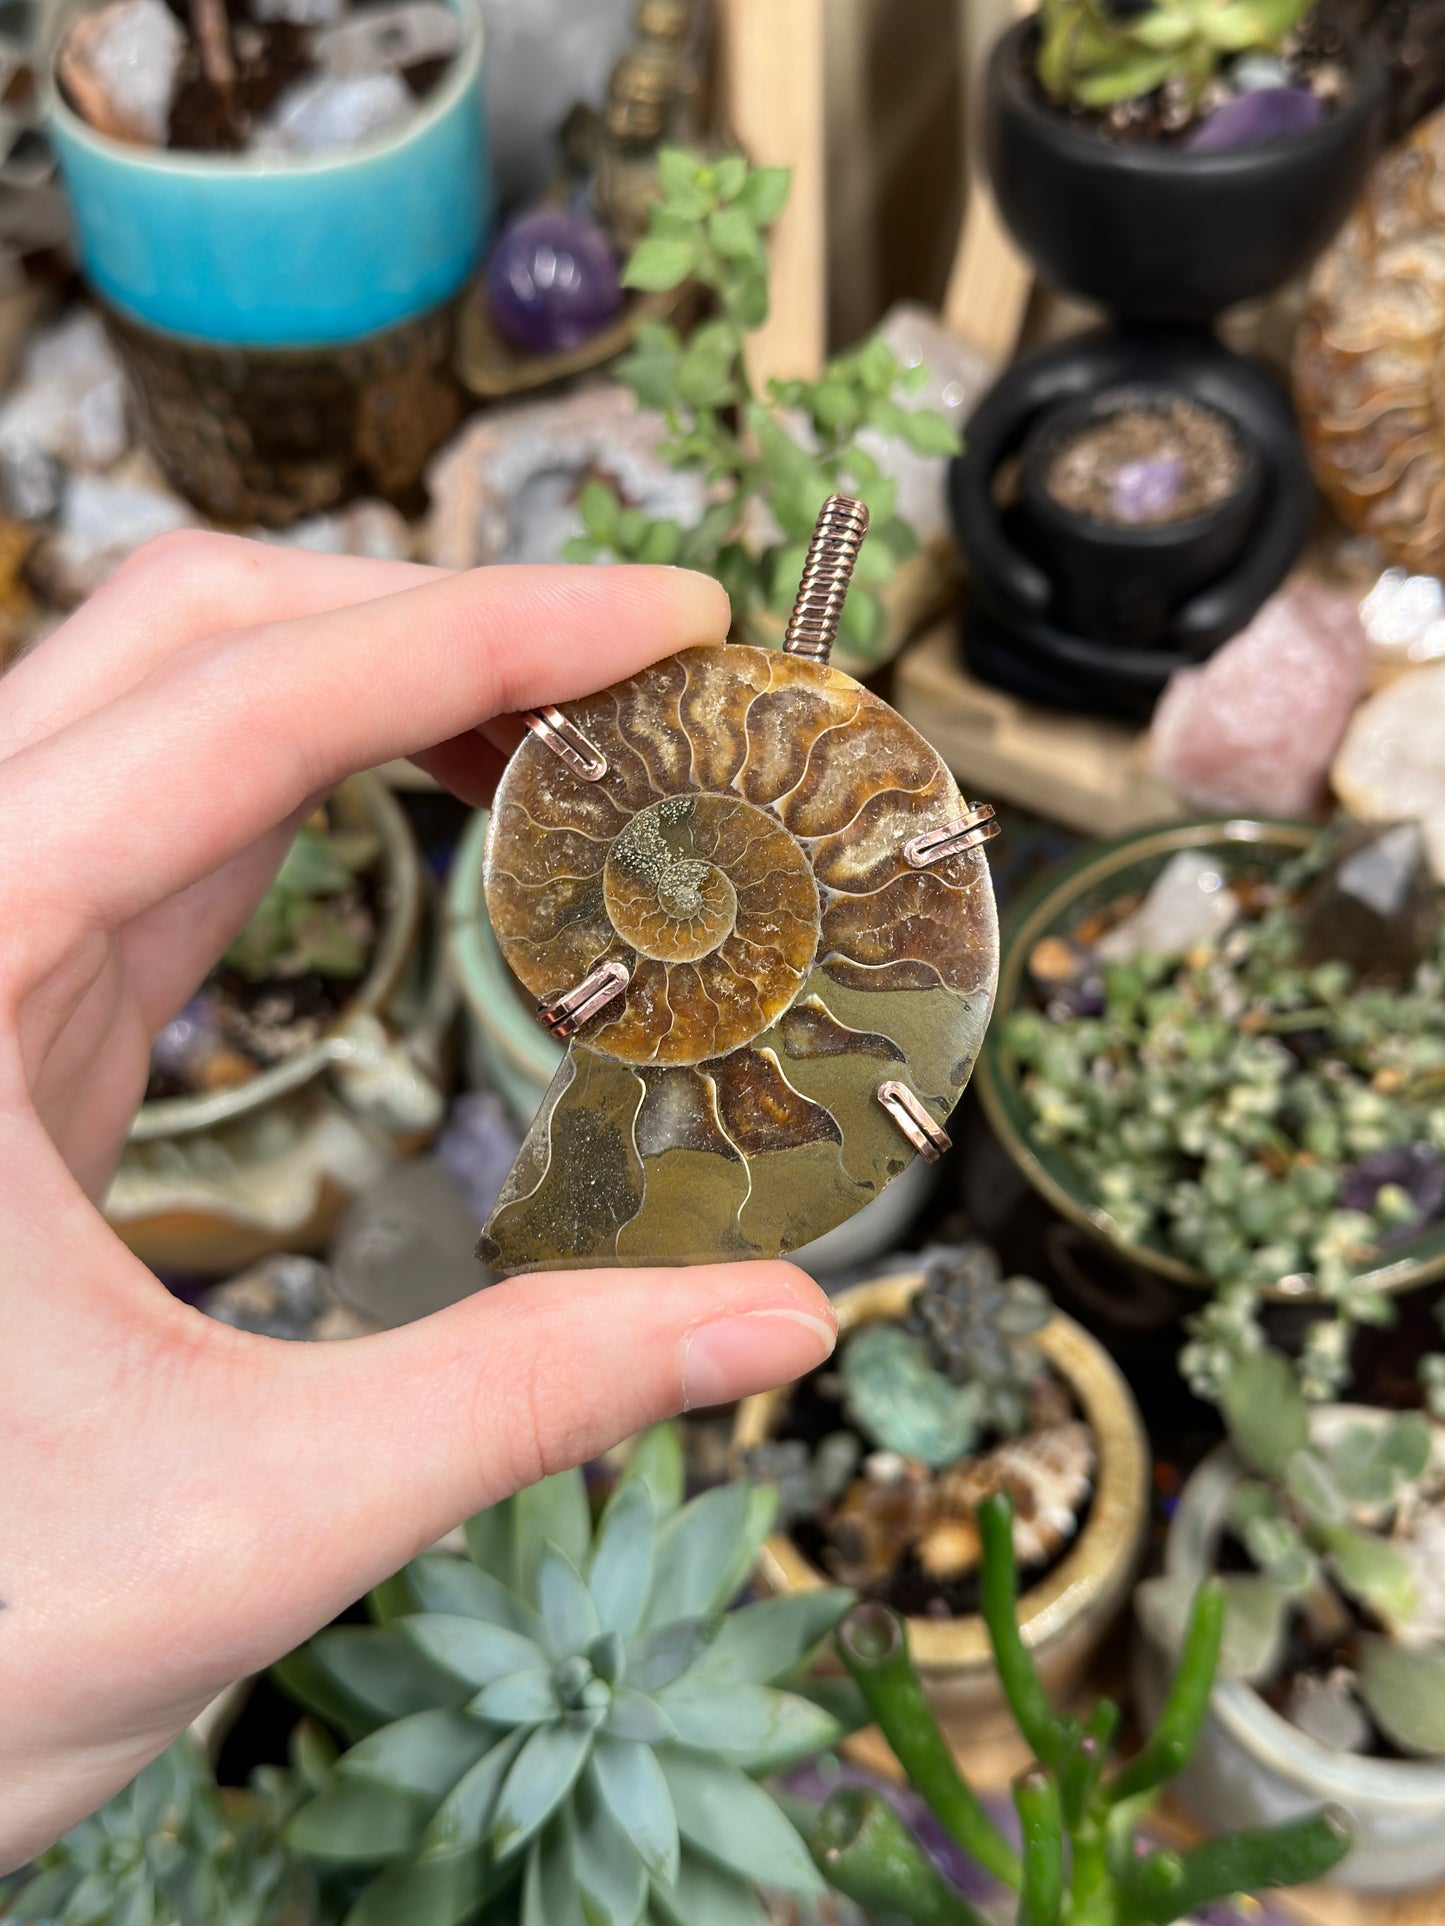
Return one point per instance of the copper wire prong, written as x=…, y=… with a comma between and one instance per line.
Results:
x=952, y=838
x=567, y=741
x=828, y=568
x=565, y=1015
x=928, y=1138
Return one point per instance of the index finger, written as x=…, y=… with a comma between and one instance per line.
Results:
x=248, y=725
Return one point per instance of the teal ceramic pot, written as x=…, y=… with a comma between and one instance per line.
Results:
x=260, y=253
x=288, y=326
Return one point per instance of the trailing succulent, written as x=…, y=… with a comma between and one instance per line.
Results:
x=564, y=1727
x=170, y=1850
x=1326, y=1519
x=770, y=460
x=1097, y=53
x=308, y=919
x=1260, y=1114
x=958, y=1370
x=1080, y=1862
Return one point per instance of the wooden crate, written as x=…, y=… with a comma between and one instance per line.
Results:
x=1089, y=774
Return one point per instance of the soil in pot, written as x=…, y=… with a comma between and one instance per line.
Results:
x=271, y=77
x=289, y=976
x=1146, y=465
x=904, y=1535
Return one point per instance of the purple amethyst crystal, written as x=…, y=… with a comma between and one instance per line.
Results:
x=552, y=281
x=1250, y=119
x=1148, y=489
x=1419, y=1171
x=183, y=1047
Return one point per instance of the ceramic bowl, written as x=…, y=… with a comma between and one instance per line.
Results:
x=1057, y=904
x=1065, y=1616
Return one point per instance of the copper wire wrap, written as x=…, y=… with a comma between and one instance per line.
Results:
x=837, y=536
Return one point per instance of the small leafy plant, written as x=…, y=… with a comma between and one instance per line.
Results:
x=959, y=1370
x=769, y=460
x=1097, y=53
x=307, y=920
x=567, y=1720
x=170, y=1850
x=1320, y=1518
x=1081, y=1863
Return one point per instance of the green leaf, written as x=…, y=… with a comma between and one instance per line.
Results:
x=730, y=172
x=461, y=1822
x=358, y=1823
x=546, y=1770
x=695, y=1556
x=301, y=1678
x=634, y=1716
x=929, y=433
x=753, y=1726
x=764, y=194
x=441, y=1892
x=661, y=543
x=733, y=233
x=656, y=1463
x=658, y=265
x=382, y=1670
x=566, y=1605
x=554, y=1511
x=622, y=1560
x=1371, y=1463
x=611, y=1877
x=390, y=1600
x=656, y=1658
x=549, y=1889
x=723, y=1815
x=1373, y=1571
x=1255, y=1620
x=471, y=1649
x=629, y=1782
x=1308, y=1481
x=598, y=506
x=1404, y=1688
x=758, y=1644
x=490, y=1537
x=1265, y=1411
x=521, y=1698
x=425, y=1754
x=678, y=174
x=457, y=1589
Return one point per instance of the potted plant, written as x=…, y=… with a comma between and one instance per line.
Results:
x=1326, y=1526
x=769, y=459
x=307, y=1062
x=949, y=1385
x=1222, y=1065
x=277, y=230
x=172, y=1847
x=1079, y=1860
x=569, y=1716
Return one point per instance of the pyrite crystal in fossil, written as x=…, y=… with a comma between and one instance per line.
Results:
x=743, y=858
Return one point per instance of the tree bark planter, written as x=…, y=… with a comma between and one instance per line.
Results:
x=210, y=1183
x=1065, y=1616
x=1252, y=1767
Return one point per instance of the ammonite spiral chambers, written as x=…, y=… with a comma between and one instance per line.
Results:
x=778, y=970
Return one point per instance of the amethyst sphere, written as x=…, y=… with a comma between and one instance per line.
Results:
x=552, y=281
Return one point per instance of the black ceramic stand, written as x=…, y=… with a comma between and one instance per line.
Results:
x=1013, y=636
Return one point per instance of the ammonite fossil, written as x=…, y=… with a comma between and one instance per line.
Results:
x=753, y=898
x=1369, y=361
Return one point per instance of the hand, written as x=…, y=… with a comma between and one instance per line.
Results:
x=181, y=1503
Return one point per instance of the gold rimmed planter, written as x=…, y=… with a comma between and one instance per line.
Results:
x=1065, y=897
x=213, y=1182
x=1066, y=1615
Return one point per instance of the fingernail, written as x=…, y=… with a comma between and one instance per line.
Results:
x=736, y=1356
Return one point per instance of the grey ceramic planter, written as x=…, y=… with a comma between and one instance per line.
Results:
x=1253, y=1768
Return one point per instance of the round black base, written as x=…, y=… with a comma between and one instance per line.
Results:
x=1064, y=672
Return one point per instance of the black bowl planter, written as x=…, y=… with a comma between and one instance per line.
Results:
x=1155, y=232
x=1094, y=615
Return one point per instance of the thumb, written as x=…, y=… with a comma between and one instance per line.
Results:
x=408, y=1433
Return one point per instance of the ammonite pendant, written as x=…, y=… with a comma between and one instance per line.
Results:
x=754, y=900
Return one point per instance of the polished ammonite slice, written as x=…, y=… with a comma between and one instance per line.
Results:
x=748, y=862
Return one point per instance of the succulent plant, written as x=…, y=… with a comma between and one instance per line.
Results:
x=1080, y=1862
x=170, y=1850
x=708, y=228
x=307, y=919
x=960, y=1369
x=1319, y=1519
x=807, y=1480
x=569, y=1716
x=1096, y=53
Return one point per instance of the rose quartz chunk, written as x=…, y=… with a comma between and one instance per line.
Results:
x=1254, y=728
